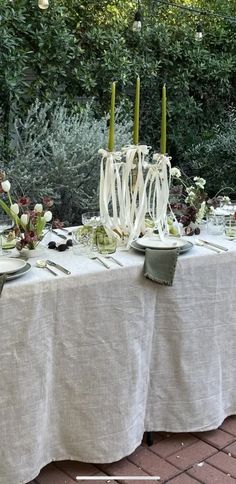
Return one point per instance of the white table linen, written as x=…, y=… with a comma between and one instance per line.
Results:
x=92, y=360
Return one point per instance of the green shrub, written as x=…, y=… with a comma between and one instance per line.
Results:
x=215, y=159
x=55, y=153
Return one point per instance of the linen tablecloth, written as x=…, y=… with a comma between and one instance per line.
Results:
x=92, y=360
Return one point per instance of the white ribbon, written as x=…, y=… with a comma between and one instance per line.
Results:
x=158, y=181
x=134, y=201
x=130, y=198
x=110, y=188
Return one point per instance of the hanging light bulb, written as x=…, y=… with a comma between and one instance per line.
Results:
x=137, y=25
x=43, y=4
x=199, y=33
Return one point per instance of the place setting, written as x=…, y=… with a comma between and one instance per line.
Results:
x=11, y=269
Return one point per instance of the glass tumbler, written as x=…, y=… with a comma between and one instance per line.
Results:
x=106, y=244
x=5, y=223
x=91, y=220
x=230, y=228
x=215, y=224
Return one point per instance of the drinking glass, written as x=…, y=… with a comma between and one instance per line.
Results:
x=93, y=220
x=81, y=239
x=215, y=224
x=230, y=228
x=229, y=207
x=5, y=223
x=106, y=244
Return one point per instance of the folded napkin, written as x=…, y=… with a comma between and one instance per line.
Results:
x=2, y=280
x=159, y=265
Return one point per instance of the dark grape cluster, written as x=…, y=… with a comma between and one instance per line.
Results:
x=191, y=230
x=60, y=247
x=188, y=216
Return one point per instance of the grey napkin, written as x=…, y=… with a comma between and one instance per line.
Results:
x=2, y=280
x=159, y=265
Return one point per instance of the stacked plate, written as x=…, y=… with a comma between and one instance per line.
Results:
x=154, y=242
x=14, y=268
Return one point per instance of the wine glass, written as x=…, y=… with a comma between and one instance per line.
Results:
x=5, y=223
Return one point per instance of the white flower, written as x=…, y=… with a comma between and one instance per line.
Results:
x=6, y=186
x=191, y=195
x=15, y=208
x=48, y=216
x=38, y=208
x=189, y=189
x=226, y=200
x=200, y=182
x=24, y=218
x=201, y=212
x=175, y=172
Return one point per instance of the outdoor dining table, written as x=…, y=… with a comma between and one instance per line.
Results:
x=91, y=360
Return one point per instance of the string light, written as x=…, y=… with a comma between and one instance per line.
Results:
x=196, y=10
x=43, y=4
x=137, y=25
x=199, y=33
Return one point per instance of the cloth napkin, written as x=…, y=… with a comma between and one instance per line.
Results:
x=2, y=280
x=159, y=265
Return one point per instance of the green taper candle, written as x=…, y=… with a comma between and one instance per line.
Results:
x=136, y=113
x=163, y=121
x=111, y=141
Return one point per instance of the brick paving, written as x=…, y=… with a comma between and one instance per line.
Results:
x=203, y=457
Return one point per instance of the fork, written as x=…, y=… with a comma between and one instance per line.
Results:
x=115, y=260
x=210, y=247
x=95, y=257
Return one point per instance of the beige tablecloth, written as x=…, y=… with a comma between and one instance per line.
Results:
x=92, y=360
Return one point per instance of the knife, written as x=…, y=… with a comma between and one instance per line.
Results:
x=215, y=245
x=59, y=235
x=51, y=263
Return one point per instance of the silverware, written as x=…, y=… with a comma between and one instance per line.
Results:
x=59, y=235
x=201, y=244
x=115, y=260
x=95, y=257
x=42, y=264
x=61, y=268
x=214, y=245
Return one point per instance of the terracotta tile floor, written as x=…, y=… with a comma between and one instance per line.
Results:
x=208, y=457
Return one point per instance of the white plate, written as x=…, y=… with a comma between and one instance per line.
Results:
x=8, y=266
x=19, y=273
x=154, y=242
x=185, y=248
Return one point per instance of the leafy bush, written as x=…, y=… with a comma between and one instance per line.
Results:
x=215, y=159
x=77, y=49
x=55, y=153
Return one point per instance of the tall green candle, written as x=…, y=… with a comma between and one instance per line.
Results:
x=111, y=141
x=136, y=113
x=163, y=121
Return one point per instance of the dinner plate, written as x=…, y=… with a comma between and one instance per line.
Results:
x=154, y=242
x=184, y=248
x=19, y=273
x=8, y=265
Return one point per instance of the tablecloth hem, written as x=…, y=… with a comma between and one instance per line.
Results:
x=77, y=458
x=176, y=430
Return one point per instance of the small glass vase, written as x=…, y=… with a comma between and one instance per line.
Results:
x=30, y=253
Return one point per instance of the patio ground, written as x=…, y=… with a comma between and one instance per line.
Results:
x=208, y=457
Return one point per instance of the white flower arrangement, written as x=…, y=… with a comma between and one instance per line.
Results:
x=29, y=223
